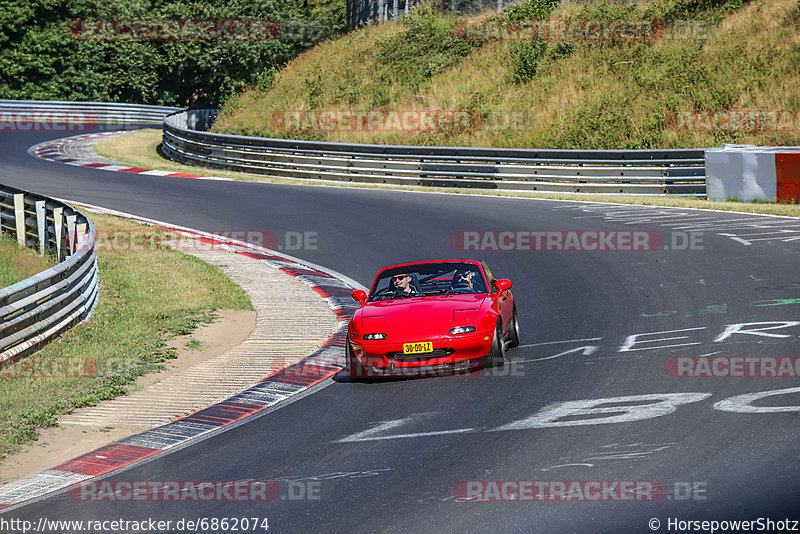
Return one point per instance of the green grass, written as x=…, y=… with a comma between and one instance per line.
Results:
x=194, y=344
x=739, y=55
x=17, y=264
x=146, y=298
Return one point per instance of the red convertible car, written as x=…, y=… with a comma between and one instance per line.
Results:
x=431, y=317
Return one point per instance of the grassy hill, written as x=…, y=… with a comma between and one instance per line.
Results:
x=713, y=55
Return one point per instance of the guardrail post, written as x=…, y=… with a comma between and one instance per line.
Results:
x=58, y=228
x=2, y=197
x=71, y=241
x=19, y=218
x=81, y=232
x=46, y=304
x=41, y=226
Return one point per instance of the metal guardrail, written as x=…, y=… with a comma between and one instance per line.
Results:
x=674, y=172
x=84, y=112
x=37, y=309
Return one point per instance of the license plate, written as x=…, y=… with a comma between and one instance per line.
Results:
x=418, y=348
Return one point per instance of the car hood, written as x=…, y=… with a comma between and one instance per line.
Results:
x=418, y=312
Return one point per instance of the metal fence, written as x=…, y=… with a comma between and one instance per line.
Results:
x=361, y=12
x=124, y=115
x=674, y=172
x=35, y=310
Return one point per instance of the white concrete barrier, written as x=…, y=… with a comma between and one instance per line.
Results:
x=747, y=173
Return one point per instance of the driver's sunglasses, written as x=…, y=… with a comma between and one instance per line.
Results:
x=399, y=277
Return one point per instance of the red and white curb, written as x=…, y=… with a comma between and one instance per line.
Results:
x=315, y=368
x=54, y=151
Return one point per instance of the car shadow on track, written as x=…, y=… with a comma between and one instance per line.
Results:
x=473, y=371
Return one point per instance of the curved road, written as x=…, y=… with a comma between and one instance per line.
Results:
x=386, y=457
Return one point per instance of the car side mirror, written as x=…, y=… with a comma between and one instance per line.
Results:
x=502, y=284
x=360, y=296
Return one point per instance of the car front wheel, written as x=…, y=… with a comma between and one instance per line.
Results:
x=513, y=335
x=496, y=356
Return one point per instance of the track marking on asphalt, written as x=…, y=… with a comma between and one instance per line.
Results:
x=738, y=329
x=601, y=411
x=744, y=403
x=645, y=341
x=332, y=476
x=774, y=228
x=645, y=451
x=562, y=341
x=627, y=455
x=361, y=435
x=604, y=411
x=374, y=433
x=587, y=350
x=559, y=466
x=554, y=415
x=632, y=340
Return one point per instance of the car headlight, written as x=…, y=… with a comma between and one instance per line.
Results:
x=374, y=336
x=462, y=329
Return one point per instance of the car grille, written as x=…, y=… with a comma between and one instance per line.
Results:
x=435, y=353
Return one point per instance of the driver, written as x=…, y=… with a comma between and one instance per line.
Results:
x=464, y=279
x=402, y=286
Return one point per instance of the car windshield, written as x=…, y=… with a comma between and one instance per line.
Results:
x=429, y=279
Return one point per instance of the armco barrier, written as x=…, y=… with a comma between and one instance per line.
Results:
x=35, y=310
x=674, y=172
x=30, y=111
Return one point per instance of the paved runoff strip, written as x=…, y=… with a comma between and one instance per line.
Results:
x=291, y=321
x=289, y=377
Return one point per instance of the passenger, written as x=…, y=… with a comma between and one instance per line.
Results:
x=464, y=279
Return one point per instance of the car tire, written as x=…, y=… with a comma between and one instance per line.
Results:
x=497, y=353
x=513, y=336
x=354, y=367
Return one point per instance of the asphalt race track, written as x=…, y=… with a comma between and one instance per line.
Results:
x=388, y=456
